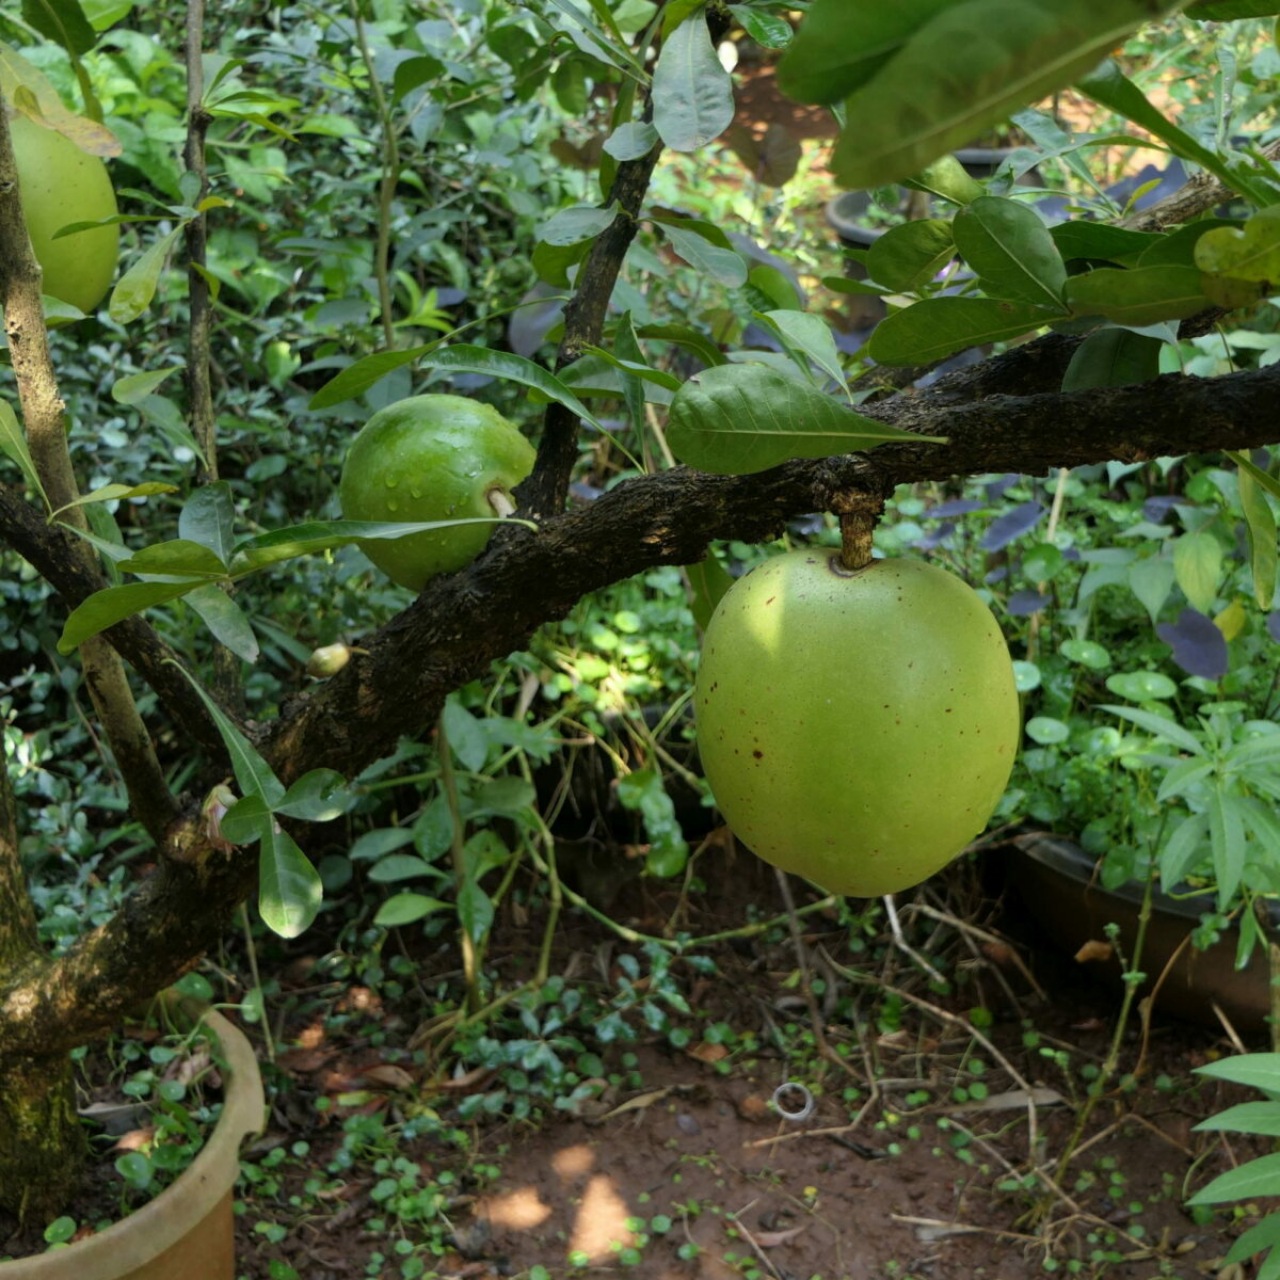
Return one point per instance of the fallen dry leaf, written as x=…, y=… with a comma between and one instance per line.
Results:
x=1094, y=949
x=704, y=1051
x=772, y=1239
x=135, y=1139
x=389, y=1076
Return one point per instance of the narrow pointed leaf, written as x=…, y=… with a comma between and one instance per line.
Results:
x=1260, y=522
x=179, y=556
x=118, y=493
x=226, y=621
x=136, y=288
x=13, y=443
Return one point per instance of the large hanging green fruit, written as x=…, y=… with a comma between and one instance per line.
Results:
x=434, y=457
x=857, y=728
x=60, y=184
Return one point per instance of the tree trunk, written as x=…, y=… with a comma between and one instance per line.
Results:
x=42, y=1144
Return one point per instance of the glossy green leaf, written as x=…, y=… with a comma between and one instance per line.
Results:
x=397, y=867
x=1100, y=242
x=1197, y=568
x=632, y=140
x=105, y=608
x=243, y=823
x=137, y=287
x=1141, y=297
x=928, y=331
x=474, y=908
x=1151, y=579
x=1177, y=248
x=768, y=30
x=1010, y=248
x=289, y=887
x=907, y=257
x=1113, y=358
x=1254, y=1070
x=1249, y=1117
x=227, y=622
x=947, y=178
x=692, y=92
x=62, y=21
x=740, y=418
x=357, y=378
x=1141, y=686
x=807, y=337
x=691, y=340
x=466, y=737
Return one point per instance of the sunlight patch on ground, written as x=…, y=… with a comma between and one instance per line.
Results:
x=521, y=1210
x=574, y=1162
x=601, y=1221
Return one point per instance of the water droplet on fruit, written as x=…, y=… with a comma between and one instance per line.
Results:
x=393, y=505
x=391, y=482
x=416, y=492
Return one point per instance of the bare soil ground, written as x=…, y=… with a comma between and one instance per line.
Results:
x=933, y=1149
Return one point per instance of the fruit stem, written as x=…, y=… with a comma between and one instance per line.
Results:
x=500, y=502
x=858, y=514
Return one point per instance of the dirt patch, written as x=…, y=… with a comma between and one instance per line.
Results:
x=933, y=1148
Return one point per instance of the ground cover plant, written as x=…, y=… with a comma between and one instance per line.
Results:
x=213, y=699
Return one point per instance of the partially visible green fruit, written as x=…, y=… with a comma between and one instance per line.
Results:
x=60, y=184
x=856, y=729
x=433, y=457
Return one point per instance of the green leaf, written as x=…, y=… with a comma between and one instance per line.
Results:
x=1253, y=1179
x=243, y=823
x=948, y=178
x=178, y=556
x=736, y=419
x=105, y=608
x=1097, y=241
x=1183, y=851
x=265, y=549
x=1142, y=686
x=63, y=22
x=1251, y=252
x=1249, y=1117
x=401, y=866
x=208, y=518
x=1158, y=726
x=1113, y=358
x=1263, y=1235
x=632, y=140
x=289, y=887
x=1226, y=840
x=505, y=797
x=136, y=387
x=320, y=795
x=574, y=225
x=1010, y=248
x=928, y=331
x=1255, y=1070
x=692, y=92
x=1260, y=522
x=682, y=336
x=135, y=289
x=965, y=69
x=1197, y=567
x=909, y=256
x=1230, y=10
x=695, y=243
x=14, y=444
x=405, y=908
x=357, y=378
x=116, y=492
x=466, y=737
x=807, y=338
x=1140, y=297
x=252, y=773
x=766, y=29
x=1151, y=579
x=226, y=620
x=506, y=367
x=474, y=908
x=842, y=44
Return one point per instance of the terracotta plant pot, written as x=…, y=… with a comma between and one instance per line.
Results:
x=1058, y=885
x=187, y=1232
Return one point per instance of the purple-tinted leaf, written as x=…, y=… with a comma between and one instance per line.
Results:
x=1022, y=604
x=1199, y=648
x=1273, y=625
x=956, y=507
x=1155, y=509
x=936, y=537
x=1013, y=524
x=996, y=489
x=1071, y=553
x=998, y=574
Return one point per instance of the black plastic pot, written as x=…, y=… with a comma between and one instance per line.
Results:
x=1058, y=885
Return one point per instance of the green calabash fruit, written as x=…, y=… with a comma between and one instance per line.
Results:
x=857, y=728
x=432, y=457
